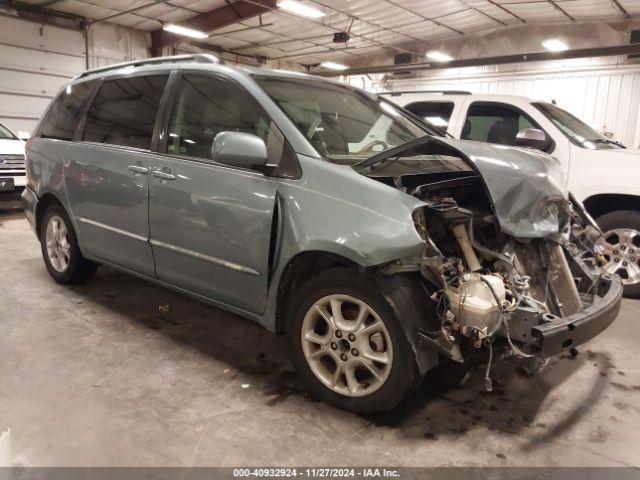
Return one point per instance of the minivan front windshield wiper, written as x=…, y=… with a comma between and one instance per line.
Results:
x=372, y=161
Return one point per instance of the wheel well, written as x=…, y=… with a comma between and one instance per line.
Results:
x=303, y=266
x=598, y=205
x=43, y=203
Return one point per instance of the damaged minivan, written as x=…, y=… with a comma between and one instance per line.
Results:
x=322, y=212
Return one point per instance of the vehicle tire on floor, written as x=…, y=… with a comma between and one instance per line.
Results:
x=60, y=251
x=348, y=346
x=621, y=244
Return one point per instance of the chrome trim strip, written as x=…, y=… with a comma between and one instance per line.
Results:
x=135, y=236
x=207, y=258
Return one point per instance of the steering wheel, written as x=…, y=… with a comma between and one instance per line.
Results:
x=369, y=146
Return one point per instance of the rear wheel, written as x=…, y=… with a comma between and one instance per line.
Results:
x=348, y=346
x=621, y=246
x=60, y=250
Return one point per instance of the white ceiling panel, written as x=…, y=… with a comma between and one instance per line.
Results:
x=200, y=5
x=385, y=36
x=537, y=12
x=589, y=9
x=427, y=31
x=380, y=13
x=631, y=6
x=433, y=9
x=468, y=21
x=493, y=11
x=147, y=25
x=374, y=25
x=228, y=43
x=88, y=10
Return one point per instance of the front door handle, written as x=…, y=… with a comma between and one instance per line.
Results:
x=164, y=173
x=138, y=169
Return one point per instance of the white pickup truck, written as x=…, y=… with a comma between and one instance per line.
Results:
x=600, y=172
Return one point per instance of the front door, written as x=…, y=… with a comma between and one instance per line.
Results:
x=210, y=224
x=107, y=173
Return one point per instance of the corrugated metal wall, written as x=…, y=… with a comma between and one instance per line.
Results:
x=606, y=97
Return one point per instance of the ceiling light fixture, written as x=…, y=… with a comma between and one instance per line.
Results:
x=187, y=32
x=555, y=45
x=300, y=9
x=437, y=56
x=333, y=66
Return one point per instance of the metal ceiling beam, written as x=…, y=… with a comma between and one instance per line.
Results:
x=621, y=8
x=631, y=49
x=503, y=8
x=215, y=19
x=125, y=12
x=561, y=10
x=433, y=20
x=336, y=29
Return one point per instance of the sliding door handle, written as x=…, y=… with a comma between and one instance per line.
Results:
x=138, y=169
x=164, y=173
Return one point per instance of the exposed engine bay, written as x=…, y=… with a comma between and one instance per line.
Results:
x=511, y=268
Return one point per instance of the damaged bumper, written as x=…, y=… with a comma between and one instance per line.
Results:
x=558, y=334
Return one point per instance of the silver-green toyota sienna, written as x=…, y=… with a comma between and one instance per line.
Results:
x=380, y=247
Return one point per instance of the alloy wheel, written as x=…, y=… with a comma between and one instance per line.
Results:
x=57, y=242
x=621, y=249
x=347, y=346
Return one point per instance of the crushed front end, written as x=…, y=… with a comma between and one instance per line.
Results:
x=511, y=264
x=534, y=297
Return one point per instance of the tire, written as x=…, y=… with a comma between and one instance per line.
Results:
x=620, y=221
x=380, y=337
x=63, y=259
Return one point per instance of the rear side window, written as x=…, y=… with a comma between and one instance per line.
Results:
x=124, y=111
x=435, y=113
x=495, y=124
x=64, y=115
x=206, y=106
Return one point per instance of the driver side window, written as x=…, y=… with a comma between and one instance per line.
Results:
x=206, y=106
x=493, y=123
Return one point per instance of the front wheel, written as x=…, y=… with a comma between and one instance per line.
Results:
x=348, y=346
x=621, y=246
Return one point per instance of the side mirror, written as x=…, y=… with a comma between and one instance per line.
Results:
x=24, y=136
x=239, y=149
x=533, y=138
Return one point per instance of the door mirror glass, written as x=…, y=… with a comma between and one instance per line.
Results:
x=533, y=138
x=23, y=135
x=239, y=149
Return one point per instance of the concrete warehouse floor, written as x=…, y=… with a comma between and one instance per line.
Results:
x=97, y=375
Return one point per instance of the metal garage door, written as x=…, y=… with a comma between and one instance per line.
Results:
x=35, y=61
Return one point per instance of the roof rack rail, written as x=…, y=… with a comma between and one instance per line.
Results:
x=446, y=92
x=196, y=58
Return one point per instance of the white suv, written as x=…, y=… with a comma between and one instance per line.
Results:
x=600, y=172
x=12, y=173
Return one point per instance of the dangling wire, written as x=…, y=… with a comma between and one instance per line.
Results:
x=488, y=384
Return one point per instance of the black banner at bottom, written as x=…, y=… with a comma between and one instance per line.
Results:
x=333, y=473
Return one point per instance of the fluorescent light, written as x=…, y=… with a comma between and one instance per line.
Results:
x=555, y=45
x=333, y=66
x=187, y=32
x=437, y=56
x=300, y=9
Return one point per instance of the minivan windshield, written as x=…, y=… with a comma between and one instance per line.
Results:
x=343, y=124
x=6, y=134
x=575, y=129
